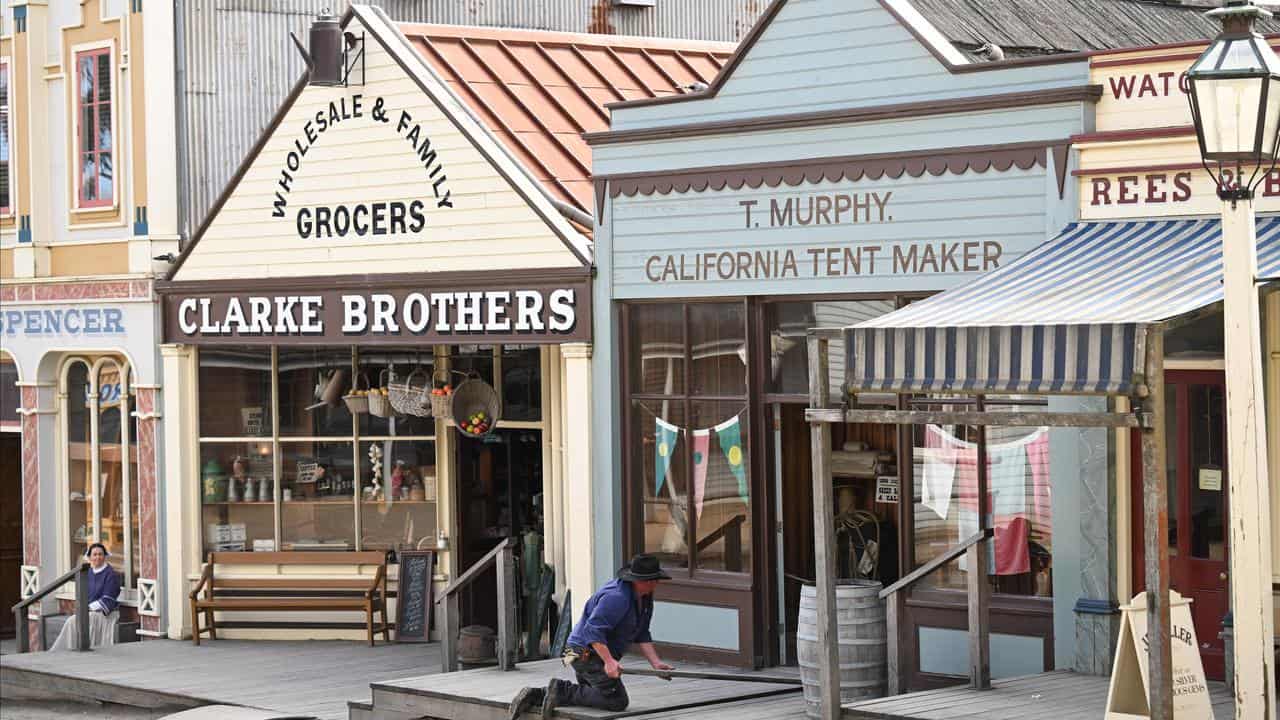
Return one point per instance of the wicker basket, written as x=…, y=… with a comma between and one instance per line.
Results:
x=442, y=403
x=475, y=397
x=379, y=402
x=409, y=399
x=358, y=404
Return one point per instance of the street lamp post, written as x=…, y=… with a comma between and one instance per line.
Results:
x=1235, y=104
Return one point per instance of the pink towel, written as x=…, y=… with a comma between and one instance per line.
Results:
x=1013, y=551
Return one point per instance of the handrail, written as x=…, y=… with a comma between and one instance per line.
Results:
x=81, y=575
x=721, y=531
x=915, y=575
x=474, y=571
x=502, y=558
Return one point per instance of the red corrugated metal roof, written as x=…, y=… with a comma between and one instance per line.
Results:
x=538, y=92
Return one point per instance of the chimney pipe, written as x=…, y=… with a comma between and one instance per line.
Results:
x=324, y=59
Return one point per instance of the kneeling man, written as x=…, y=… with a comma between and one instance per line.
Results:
x=616, y=617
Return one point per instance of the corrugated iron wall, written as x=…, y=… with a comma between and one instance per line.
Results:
x=238, y=63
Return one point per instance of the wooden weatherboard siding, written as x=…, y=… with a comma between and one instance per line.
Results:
x=828, y=54
x=908, y=234
x=460, y=212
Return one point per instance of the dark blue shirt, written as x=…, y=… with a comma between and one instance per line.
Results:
x=616, y=617
x=104, y=586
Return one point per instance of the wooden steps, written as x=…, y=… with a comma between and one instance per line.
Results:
x=484, y=694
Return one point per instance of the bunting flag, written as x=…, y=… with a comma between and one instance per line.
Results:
x=701, y=443
x=665, y=436
x=729, y=433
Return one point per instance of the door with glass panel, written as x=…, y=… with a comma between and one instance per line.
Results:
x=1195, y=428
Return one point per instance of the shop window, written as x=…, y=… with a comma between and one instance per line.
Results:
x=10, y=397
x=788, y=323
x=94, y=131
x=689, y=470
x=286, y=464
x=515, y=371
x=6, y=143
x=946, y=461
x=101, y=457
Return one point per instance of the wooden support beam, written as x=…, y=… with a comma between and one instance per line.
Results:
x=979, y=586
x=82, y=607
x=449, y=634
x=1155, y=518
x=895, y=611
x=967, y=417
x=508, y=639
x=824, y=533
x=23, y=627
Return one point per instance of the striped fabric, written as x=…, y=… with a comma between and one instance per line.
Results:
x=1067, y=317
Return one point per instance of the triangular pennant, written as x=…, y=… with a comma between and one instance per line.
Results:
x=701, y=443
x=730, y=434
x=665, y=436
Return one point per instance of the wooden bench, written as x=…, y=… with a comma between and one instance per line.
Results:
x=279, y=590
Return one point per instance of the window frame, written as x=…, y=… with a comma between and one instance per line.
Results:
x=9, y=204
x=93, y=369
x=79, y=203
x=633, y=482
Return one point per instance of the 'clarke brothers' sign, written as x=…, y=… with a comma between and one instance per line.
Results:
x=539, y=313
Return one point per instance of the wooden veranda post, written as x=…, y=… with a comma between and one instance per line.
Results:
x=1155, y=535
x=979, y=587
x=824, y=532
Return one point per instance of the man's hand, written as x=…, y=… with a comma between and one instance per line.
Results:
x=659, y=665
x=612, y=668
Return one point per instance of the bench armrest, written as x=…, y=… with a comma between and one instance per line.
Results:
x=379, y=580
x=206, y=576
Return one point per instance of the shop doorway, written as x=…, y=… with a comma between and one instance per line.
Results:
x=10, y=527
x=866, y=529
x=499, y=490
x=1195, y=438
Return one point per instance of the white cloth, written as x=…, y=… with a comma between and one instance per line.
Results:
x=939, y=477
x=102, y=632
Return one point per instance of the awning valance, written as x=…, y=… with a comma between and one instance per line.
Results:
x=1067, y=317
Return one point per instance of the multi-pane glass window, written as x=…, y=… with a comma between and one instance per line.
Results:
x=946, y=463
x=286, y=464
x=101, y=457
x=94, y=141
x=689, y=470
x=6, y=143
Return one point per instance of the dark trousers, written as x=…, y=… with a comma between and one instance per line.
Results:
x=594, y=688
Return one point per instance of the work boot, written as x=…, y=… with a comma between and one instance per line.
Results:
x=524, y=700
x=552, y=697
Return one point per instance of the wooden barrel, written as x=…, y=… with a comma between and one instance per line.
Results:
x=863, y=642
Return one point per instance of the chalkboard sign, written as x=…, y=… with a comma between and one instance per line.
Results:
x=414, y=606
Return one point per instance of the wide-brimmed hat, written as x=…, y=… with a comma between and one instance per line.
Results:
x=642, y=567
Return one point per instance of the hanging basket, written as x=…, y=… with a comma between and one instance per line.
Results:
x=358, y=400
x=409, y=399
x=379, y=402
x=475, y=407
x=442, y=395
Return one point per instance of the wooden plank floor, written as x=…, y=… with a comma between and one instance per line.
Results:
x=305, y=677
x=1060, y=695
x=651, y=697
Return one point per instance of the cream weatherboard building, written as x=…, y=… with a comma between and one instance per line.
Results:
x=88, y=198
x=425, y=220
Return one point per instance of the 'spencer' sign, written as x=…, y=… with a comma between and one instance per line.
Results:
x=547, y=310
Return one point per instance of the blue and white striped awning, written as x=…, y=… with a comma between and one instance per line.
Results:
x=1068, y=317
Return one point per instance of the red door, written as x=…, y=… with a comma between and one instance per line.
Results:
x=1197, y=544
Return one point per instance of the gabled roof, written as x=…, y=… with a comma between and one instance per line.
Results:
x=538, y=92
x=1028, y=28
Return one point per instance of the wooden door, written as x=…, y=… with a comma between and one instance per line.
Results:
x=1198, y=505
x=10, y=527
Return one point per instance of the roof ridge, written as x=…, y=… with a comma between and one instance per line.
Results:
x=474, y=32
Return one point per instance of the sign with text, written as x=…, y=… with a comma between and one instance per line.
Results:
x=549, y=311
x=55, y=322
x=887, y=489
x=1130, y=679
x=894, y=233
x=1158, y=192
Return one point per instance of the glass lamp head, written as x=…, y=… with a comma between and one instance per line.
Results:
x=1234, y=90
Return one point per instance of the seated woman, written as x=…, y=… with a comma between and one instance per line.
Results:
x=104, y=588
